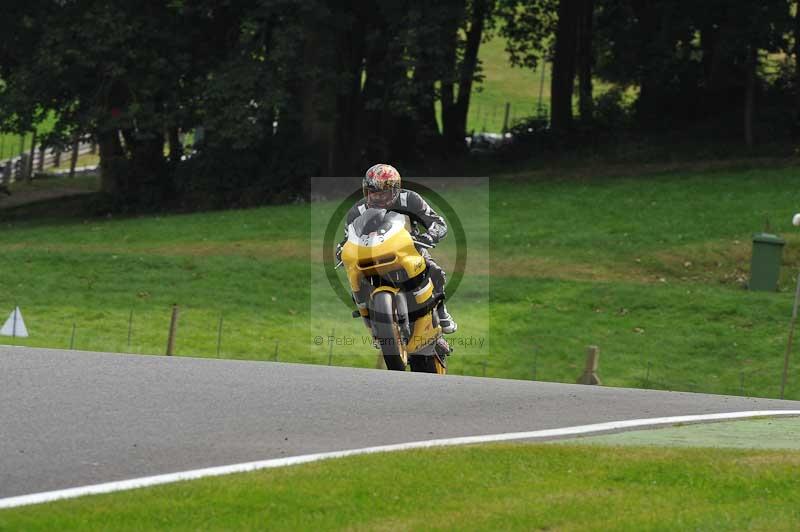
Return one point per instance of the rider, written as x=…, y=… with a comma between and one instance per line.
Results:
x=381, y=186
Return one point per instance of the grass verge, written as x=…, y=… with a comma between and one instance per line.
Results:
x=509, y=487
x=766, y=433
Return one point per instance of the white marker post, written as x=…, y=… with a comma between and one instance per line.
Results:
x=14, y=325
x=791, y=337
x=796, y=223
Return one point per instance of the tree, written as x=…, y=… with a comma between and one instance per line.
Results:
x=585, y=58
x=563, y=79
x=455, y=108
x=528, y=27
x=127, y=76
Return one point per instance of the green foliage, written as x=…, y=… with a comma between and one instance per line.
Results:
x=612, y=111
x=687, y=58
x=307, y=88
x=527, y=26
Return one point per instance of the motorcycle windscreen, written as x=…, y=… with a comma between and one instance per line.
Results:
x=375, y=221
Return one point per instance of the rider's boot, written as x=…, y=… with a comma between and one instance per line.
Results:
x=449, y=325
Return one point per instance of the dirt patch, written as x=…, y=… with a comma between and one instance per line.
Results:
x=25, y=197
x=627, y=169
x=245, y=248
x=780, y=459
x=295, y=249
x=722, y=261
x=556, y=269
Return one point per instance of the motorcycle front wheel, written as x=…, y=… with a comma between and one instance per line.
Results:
x=387, y=332
x=428, y=364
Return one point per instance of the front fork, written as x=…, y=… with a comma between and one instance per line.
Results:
x=401, y=307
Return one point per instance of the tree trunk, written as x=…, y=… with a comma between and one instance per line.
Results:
x=563, y=78
x=349, y=105
x=649, y=52
x=480, y=10
x=317, y=107
x=425, y=70
x=29, y=169
x=585, y=59
x=749, y=101
x=151, y=180
x=797, y=57
x=113, y=178
x=175, y=146
x=383, y=78
x=449, y=44
x=708, y=44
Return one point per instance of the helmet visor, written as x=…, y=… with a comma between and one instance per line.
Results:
x=380, y=198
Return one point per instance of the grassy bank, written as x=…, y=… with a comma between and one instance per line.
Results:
x=506, y=487
x=650, y=268
x=767, y=433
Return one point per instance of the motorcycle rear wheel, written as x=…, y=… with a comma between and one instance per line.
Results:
x=386, y=330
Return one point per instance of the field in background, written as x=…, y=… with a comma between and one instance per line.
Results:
x=651, y=269
x=508, y=487
x=528, y=91
x=505, y=84
x=12, y=145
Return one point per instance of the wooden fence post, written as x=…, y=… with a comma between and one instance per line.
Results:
x=173, y=329
x=592, y=363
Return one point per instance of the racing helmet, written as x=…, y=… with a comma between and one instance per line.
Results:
x=381, y=186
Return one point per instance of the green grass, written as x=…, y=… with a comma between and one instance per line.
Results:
x=12, y=144
x=496, y=487
x=504, y=84
x=766, y=433
x=651, y=269
x=526, y=90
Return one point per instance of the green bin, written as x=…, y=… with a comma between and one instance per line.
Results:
x=766, y=262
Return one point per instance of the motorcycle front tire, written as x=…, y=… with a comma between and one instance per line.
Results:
x=387, y=332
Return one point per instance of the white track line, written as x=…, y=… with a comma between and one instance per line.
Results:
x=108, y=487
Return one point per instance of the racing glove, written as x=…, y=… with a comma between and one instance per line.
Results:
x=425, y=238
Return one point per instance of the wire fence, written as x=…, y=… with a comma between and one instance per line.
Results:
x=22, y=160
x=500, y=117
x=197, y=332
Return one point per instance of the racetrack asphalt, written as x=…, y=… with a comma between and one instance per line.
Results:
x=71, y=418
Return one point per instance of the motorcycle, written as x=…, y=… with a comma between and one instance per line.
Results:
x=391, y=286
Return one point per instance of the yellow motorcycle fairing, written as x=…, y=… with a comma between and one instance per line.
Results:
x=396, y=252
x=424, y=294
x=423, y=335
